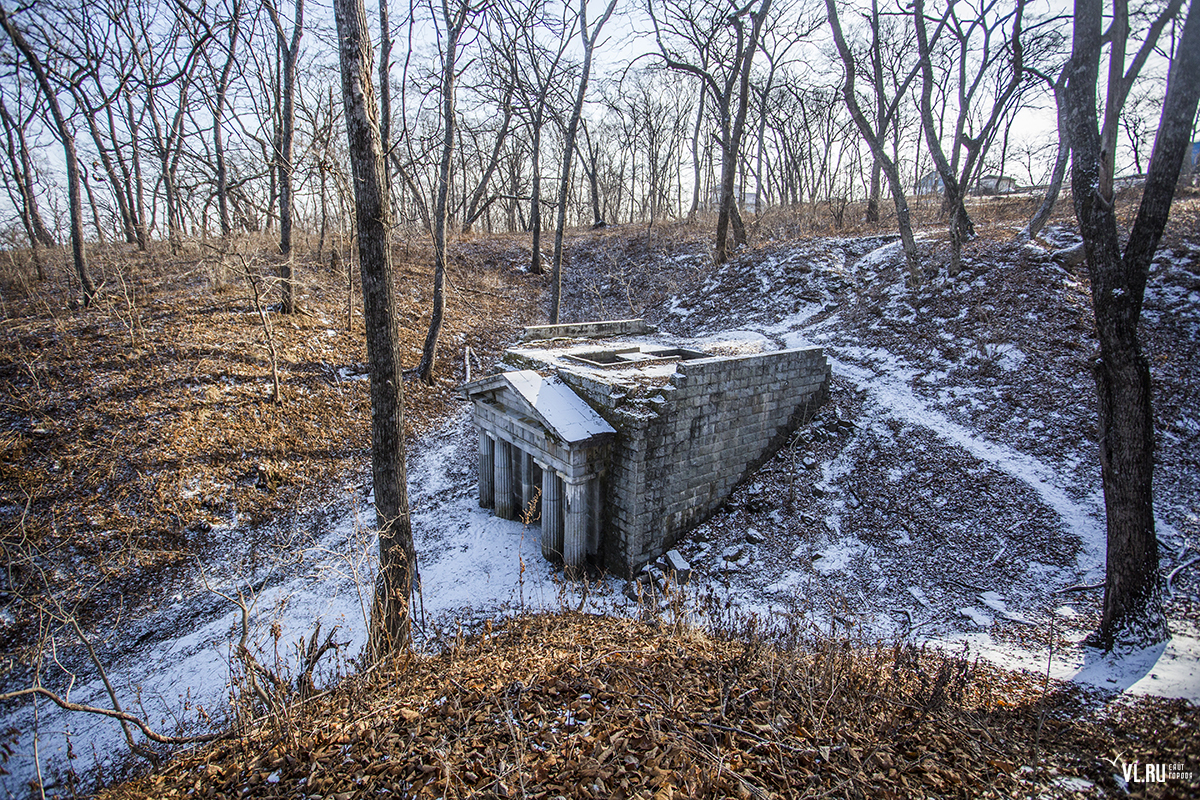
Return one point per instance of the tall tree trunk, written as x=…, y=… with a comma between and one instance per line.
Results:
x=1133, y=612
x=138, y=186
x=691, y=215
x=1046, y=208
x=535, y=201
x=476, y=204
x=164, y=146
x=385, y=89
x=903, y=220
x=90, y=115
x=731, y=154
x=961, y=227
x=391, y=625
x=22, y=172
x=125, y=186
x=591, y=168
x=880, y=110
x=289, y=50
x=87, y=186
x=589, y=43
x=75, y=202
x=1061, y=158
x=873, y=195
x=218, y=123
x=454, y=26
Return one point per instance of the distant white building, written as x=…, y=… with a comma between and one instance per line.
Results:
x=747, y=202
x=995, y=184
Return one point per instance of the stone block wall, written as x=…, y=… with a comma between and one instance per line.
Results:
x=586, y=330
x=679, y=453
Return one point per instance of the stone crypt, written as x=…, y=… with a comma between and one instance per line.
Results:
x=618, y=440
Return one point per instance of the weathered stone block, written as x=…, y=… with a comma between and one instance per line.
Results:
x=677, y=455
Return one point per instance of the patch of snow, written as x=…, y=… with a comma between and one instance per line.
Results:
x=352, y=374
x=734, y=341
x=839, y=555
x=919, y=595
x=881, y=256
x=1073, y=784
x=1166, y=670
x=1008, y=357
x=980, y=619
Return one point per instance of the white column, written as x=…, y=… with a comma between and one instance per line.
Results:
x=594, y=505
x=487, y=465
x=527, y=485
x=552, y=521
x=503, y=479
x=575, y=528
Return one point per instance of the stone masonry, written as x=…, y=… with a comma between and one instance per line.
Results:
x=689, y=426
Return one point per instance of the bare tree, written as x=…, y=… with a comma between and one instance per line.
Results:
x=778, y=40
x=972, y=44
x=454, y=19
x=65, y=135
x=1133, y=612
x=886, y=37
x=104, y=72
x=165, y=70
x=501, y=78
x=385, y=88
x=698, y=176
x=719, y=30
x=217, y=105
x=589, y=161
x=876, y=140
x=653, y=107
x=391, y=625
x=1061, y=157
x=21, y=174
x=589, y=45
x=539, y=69
x=289, y=50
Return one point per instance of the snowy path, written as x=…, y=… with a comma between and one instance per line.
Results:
x=1085, y=522
x=1170, y=670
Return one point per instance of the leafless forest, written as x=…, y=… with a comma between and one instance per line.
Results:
x=186, y=122
x=193, y=247
x=197, y=125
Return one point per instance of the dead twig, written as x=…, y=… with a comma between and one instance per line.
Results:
x=146, y=730
x=1080, y=587
x=1171, y=575
x=276, y=395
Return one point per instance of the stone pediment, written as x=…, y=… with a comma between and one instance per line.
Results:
x=547, y=401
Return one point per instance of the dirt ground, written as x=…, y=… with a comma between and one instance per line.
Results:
x=128, y=430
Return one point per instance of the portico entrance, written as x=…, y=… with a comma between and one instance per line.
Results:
x=543, y=453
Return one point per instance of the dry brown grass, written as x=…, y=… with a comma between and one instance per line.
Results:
x=132, y=427
x=577, y=706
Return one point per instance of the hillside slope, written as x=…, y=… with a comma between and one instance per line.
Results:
x=570, y=705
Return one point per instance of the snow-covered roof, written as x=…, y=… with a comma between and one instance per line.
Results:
x=554, y=403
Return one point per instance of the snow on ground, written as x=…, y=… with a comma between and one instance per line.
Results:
x=947, y=493
x=950, y=492
x=473, y=566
